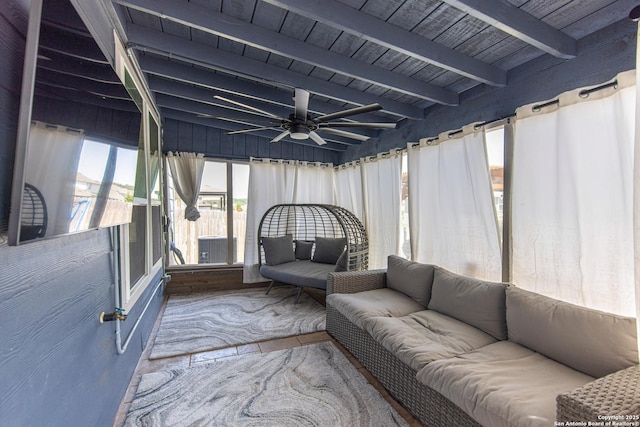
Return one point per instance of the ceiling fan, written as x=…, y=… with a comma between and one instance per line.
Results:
x=301, y=125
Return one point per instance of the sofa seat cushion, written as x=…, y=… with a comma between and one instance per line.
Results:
x=503, y=384
x=359, y=306
x=422, y=337
x=300, y=273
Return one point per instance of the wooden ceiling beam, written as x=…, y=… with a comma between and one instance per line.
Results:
x=251, y=91
x=171, y=46
x=210, y=21
x=350, y=20
x=519, y=24
x=219, y=108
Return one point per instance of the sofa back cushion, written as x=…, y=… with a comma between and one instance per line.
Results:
x=411, y=278
x=476, y=302
x=587, y=340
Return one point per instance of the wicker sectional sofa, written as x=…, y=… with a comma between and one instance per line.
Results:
x=466, y=352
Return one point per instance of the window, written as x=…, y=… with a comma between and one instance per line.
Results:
x=141, y=241
x=218, y=236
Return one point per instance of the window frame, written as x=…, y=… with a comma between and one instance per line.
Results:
x=131, y=292
x=229, y=164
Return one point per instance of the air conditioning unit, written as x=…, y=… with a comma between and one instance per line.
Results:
x=213, y=250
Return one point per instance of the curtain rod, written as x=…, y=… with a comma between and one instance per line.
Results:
x=583, y=94
x=393, y=151
x=459, y=131
x=56, y=127
x=290, y=162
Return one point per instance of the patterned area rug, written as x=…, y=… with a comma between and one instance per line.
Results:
x=313, y=385
x=208, y=321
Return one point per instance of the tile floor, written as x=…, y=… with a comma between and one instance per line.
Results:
x=145, y=365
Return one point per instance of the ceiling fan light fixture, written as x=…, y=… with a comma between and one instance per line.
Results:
x=299, y=131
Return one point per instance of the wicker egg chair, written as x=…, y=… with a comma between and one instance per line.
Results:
x=307, y=222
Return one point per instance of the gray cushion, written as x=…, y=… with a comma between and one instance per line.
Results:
x=503, y=384
x=300, y=273
x=341, y=264
x=473, y=301
x=328, y=250
x=411, y=278
x=361, y=306
x=303, y=249
x=278, y=250
x=424, y=336
x=590, y=341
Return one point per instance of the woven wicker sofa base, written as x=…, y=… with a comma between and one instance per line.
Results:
x=430, y=407
x=615, y=397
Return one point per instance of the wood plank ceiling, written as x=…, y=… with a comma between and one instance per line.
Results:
x=201, y=58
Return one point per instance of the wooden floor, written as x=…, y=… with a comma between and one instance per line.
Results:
x=186, y=361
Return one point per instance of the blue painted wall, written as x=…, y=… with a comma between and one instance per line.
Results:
x=58, y=365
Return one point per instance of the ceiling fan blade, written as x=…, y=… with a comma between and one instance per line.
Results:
x=250, y=130
x=301, y=99
x=274, y=122
x=346, y=134
x=248, y=107
x=279, y=137
x=359, y=125
x=349, y=112
x=317, y=138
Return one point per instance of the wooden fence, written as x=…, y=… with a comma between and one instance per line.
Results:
x=212, y=223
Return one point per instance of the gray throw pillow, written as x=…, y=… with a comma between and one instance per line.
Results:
x=328, y=250
x=473, y=301
x=303, y=249
x=412, y=278
x=341, y=264
x=278, y=250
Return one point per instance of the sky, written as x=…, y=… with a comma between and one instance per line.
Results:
x=93, y=159
x=495, y=146
x=215, y=176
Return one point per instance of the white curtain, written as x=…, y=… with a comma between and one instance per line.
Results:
x=382, y=189
x=186, y=171
x=51, y=146
x=314, y=183
x=348, y=188
x=452, y=218
x=573, y=198
x=273, y=182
